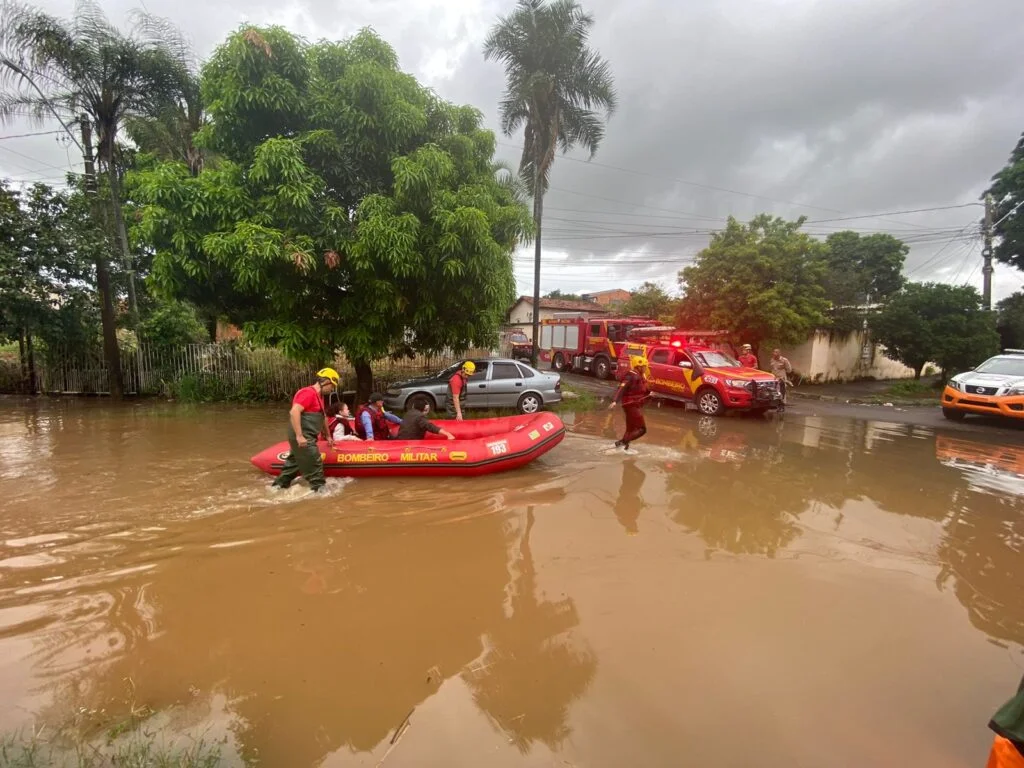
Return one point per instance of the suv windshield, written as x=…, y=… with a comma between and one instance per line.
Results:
x=711, y=359
x=1007, y=366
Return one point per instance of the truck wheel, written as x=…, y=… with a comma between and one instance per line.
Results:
x=530, y=402
x=419, y=400
x=952, y=414
x=602, y=368
x=558, y=363
x=709, y=402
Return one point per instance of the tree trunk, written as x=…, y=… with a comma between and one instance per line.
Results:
x=211, y=327
x=917, y=371
x=122, y=239
x=111, y=354
x=538, y=215
x=30, y=358
x=23, y=360
x=364, y=381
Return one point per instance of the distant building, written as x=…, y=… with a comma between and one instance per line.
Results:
x=520, y=316
x=615, y=297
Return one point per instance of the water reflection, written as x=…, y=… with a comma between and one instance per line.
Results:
x=629, y=503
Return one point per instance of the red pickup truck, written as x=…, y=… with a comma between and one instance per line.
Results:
x=709, y=378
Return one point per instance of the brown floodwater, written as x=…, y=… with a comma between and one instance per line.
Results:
x=809, y=592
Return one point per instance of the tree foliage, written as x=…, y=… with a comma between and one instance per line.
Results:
x=562, y=296
x=174, y=323
x=351, y=207
x=762, y=281
x=1010, y=321
x=862, y=269
x=935, y=322
x=47, y=250
x=651, y=300
x=1007, y=190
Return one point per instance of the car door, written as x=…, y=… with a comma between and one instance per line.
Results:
x=505, y=385
x=477, y=386
x=666, y=374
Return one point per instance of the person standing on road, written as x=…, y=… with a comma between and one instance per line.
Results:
x=781, y=368
x=305, y=424
x=457, y=386
x=633, y=393
x=747, y=357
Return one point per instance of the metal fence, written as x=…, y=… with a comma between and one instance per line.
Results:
x=206, y=371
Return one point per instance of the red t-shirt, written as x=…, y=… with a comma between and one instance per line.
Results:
x=457, y=383
x=748, y=361
x=309, y=399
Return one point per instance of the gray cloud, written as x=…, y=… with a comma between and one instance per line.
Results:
x=825, y=109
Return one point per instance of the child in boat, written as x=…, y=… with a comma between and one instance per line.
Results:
x=340, y=423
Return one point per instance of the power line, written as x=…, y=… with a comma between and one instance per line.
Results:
x=895, y=213
x=24, y=135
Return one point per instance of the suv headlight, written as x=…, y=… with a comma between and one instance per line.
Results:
x=954, y=385
x=1016, y=389
x=739, y=383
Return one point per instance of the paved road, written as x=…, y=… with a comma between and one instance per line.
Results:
x=925, y=416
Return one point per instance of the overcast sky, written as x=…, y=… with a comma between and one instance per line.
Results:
x=828, y=109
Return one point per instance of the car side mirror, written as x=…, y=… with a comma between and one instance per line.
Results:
x=685, y=364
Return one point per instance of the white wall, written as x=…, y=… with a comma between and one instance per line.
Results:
x=838, y=357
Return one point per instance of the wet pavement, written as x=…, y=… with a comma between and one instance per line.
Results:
x=816, y=590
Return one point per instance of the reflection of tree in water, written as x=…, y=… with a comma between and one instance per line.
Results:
x=628, y=503
x=981, y=553
x=531, y=672
x=326, y=640
x=750, y=506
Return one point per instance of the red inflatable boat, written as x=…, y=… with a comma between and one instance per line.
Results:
x=481, y=446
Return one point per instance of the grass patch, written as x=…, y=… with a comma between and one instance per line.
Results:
x=913, y=390
x=577, y=400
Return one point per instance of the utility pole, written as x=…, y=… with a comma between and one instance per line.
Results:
x=111, y=352
x=986, y=253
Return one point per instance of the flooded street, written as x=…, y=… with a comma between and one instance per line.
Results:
x=811, y=592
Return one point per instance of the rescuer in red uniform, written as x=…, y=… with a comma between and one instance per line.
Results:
x=633, y=393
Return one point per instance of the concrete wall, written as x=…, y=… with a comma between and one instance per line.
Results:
x=840, y=357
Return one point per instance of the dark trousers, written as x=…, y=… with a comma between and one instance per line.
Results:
x=636, y=427
x=304, y=459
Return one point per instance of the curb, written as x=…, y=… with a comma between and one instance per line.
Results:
x=880, y=400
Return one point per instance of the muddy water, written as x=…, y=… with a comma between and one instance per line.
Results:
x=814, y=592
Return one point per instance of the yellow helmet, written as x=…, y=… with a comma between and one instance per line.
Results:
x=469, y=367
x=330, y=374
x=638, y=361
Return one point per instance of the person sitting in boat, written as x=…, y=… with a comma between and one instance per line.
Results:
x=457, y=386
x=372, y=421
x=305, y=423
x=341, y=424
x=415, y=425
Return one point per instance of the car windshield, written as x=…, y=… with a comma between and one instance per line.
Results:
x=1006, y=366
x=711, y=359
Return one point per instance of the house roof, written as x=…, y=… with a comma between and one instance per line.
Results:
x=567, y=305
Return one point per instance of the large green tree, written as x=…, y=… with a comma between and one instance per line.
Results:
x=933, y=322
x=651, y=300
x=762, y=281
x=862, y=269
x=1010, y=321
x=557, y=90
x=1007, y=191
x=62, y=69
x=47, y=249
x=350, y=209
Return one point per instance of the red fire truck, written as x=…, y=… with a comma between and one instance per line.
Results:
x=590, y=344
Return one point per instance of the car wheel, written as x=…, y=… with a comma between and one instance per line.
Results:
x=530, y=402
x=558, y=363
x=602, y=368
x=952, y=414
x=709, y=402
x=419, y=400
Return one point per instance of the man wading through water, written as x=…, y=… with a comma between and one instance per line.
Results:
x=633, y=393
x=457, y=389
x=305, y=423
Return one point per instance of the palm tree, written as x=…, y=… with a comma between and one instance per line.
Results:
x=51, y=67
x=556, y=87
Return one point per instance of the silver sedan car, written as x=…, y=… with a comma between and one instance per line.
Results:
x=497, y=383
